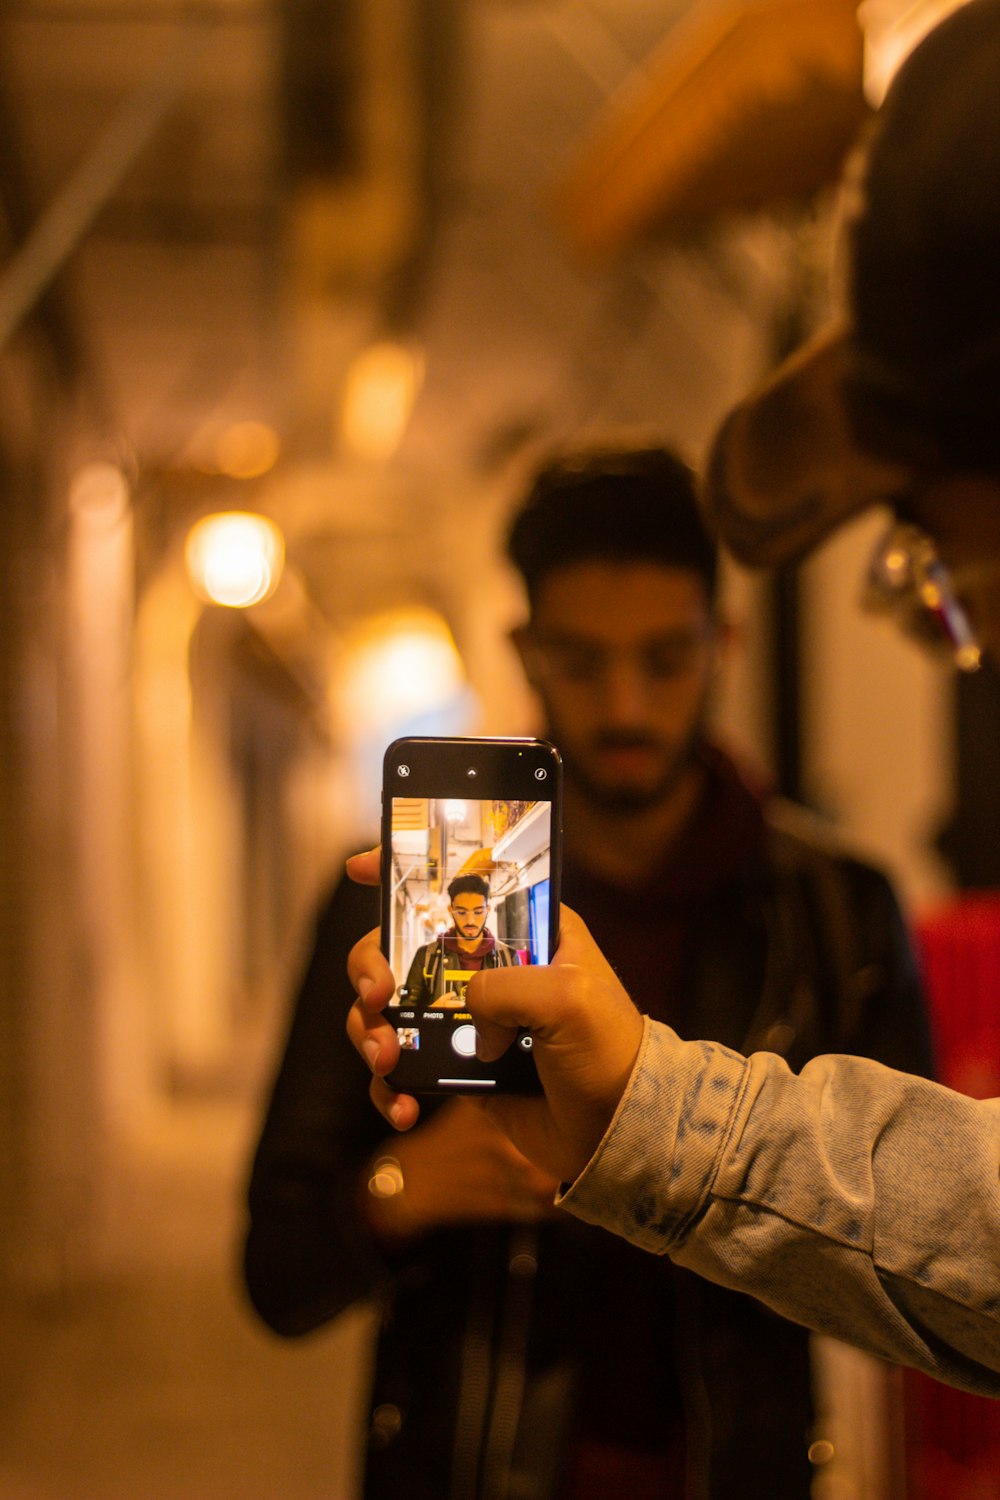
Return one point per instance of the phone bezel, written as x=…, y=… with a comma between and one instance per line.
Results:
x=505, y=768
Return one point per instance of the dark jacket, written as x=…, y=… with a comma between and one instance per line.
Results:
x=500, y=1346
x=427, y=979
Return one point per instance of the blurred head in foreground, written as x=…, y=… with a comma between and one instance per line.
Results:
x=900, y=405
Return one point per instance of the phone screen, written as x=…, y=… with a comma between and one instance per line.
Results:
x=470, y=880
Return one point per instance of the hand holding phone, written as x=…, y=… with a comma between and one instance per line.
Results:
x=586, y=1030
x=458, y=1168
x=469, y=882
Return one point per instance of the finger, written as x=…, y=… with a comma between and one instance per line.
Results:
x=368, y=970
x=365, y=868
x=493, y=1037
x=503, y=1000
x=577, y=946
x=587, y=1034
x=581, y=1024
x=495, y=1032
x=401, y=1110
x=374, y=1037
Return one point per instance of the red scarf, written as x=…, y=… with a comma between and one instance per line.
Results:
x=473, y=960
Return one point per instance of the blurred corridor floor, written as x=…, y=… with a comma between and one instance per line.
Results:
x=155, y=1382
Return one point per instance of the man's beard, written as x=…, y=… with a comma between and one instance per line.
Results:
x=624, y=800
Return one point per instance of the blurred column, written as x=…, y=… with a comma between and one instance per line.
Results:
x=88, y=1052
x=51, y=1162
x=185, y=850
x=99, y=659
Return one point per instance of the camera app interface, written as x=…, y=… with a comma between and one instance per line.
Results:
x=469, y=891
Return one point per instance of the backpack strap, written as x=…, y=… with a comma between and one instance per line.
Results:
x=502, y=957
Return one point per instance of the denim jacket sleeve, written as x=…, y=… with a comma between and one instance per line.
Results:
x=859, y=1201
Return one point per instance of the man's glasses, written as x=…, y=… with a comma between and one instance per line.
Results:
x=907, y=580
x=659, y=663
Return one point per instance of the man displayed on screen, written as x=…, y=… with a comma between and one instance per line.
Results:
x=440, y=970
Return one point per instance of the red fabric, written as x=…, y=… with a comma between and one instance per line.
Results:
x=959, y=947
x=473, y=960
x=953, y=1439
x=600, y=1472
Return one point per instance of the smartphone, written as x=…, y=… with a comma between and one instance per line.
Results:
x=471, y=848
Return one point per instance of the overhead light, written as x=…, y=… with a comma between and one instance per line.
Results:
x=234, y=558
x=381, y=386
x=399, y=665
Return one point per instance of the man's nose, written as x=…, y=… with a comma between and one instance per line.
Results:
x=626, y=692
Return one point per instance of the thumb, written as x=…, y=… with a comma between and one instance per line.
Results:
x=581, y=1020
x=500, y=1018
x=506, y=1000
x=364, y=868
x=586, y=1033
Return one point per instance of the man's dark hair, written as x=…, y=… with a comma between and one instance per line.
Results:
x=626, y=504
x=468, y=883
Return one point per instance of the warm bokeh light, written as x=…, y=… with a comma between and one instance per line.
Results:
x=238, y=450
x=234, y=558
x=400, y=665
x=381, y=387
x=246, y=450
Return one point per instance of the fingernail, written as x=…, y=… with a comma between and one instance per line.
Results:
x=395, y=1111
x=371, y=1049
x=365, y=986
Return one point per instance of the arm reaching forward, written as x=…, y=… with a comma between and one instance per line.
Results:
x=859, y=1201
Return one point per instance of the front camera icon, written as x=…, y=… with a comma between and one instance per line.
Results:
x=402, y=770
x=541, y=773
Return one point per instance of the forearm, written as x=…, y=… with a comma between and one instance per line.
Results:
x=858, y=1201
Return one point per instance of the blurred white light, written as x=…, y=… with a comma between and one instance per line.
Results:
x=400, y=665
x=381, y=387
x=455, y=812
x=234, y=558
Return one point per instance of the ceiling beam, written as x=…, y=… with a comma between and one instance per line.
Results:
x=744, y=106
